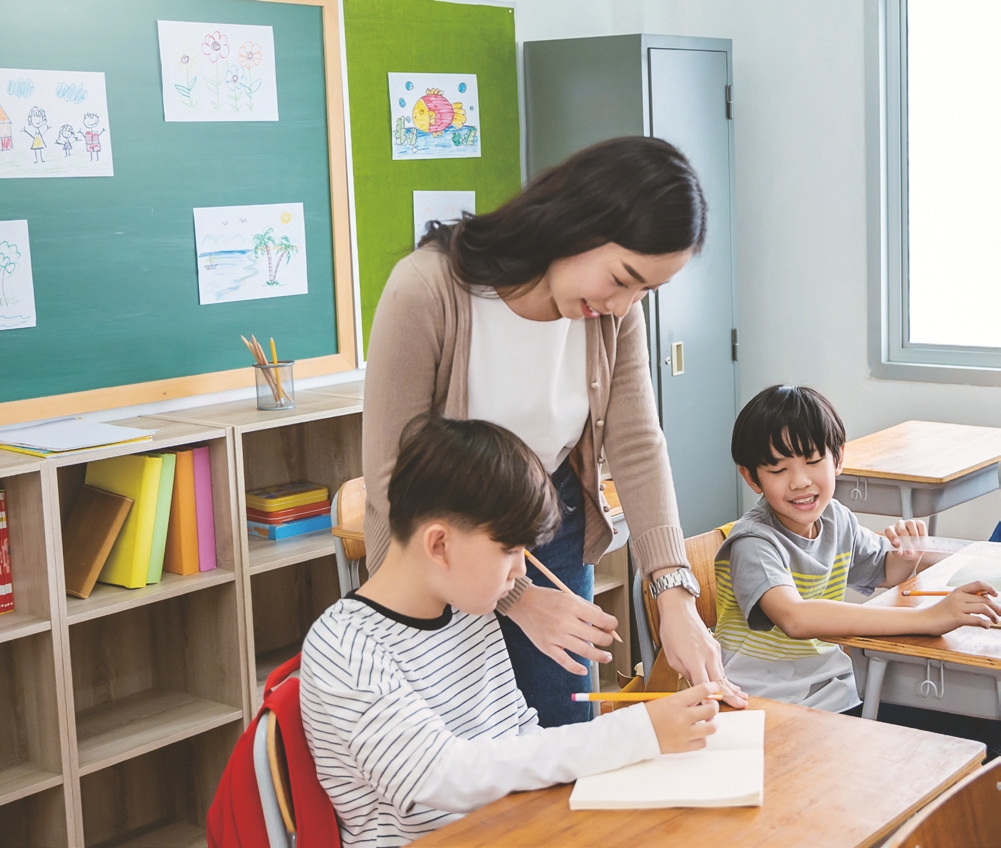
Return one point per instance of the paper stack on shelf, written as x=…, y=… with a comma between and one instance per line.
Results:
x=67, y=435
x=288, y=509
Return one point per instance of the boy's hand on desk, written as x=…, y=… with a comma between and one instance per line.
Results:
x=683, y=721
x=975, y=603
x=904, y=528
x=557, y=623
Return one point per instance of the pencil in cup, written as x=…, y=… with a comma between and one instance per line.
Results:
x=632, y=696
x=559, y=584
x=258, y=353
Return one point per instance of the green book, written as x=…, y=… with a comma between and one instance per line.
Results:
x=162, y=518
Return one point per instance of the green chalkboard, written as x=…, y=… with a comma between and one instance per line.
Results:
x=113, y=258
x=426, y=37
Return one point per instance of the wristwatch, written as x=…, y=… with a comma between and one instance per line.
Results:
x=682, y=577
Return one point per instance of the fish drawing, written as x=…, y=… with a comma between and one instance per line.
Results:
x=434, y=114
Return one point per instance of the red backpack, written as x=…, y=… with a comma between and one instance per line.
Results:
x=236, y=817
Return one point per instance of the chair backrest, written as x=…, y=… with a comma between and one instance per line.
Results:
x=351, y=516
x=969, y=813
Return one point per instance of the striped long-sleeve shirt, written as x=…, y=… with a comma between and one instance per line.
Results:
x=412, y=722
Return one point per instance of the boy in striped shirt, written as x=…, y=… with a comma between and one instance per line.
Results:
x=409, y=702
x=782, y=571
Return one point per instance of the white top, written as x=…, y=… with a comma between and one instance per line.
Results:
x=412, y=722
x=529, y=376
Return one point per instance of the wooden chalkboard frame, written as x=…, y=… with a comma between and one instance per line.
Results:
x=344, y=302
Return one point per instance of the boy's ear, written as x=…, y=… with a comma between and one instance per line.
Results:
x=435, y=537
x=840, y=464
x=746, y=474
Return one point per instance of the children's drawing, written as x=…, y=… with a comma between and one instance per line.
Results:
x=217, y=72
x=434, y=116
x=440, y=206
x=250, y=252
x=54, y=124
x=17, y=290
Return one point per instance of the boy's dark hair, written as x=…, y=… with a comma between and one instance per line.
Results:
x=789, y=421
x=474, y=474
x=640, y=193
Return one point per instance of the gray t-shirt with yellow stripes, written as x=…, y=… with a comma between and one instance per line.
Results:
x=759, y=554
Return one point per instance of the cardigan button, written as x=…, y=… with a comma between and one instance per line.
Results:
x=600, y=422
x=606, y=507
x=601, y=487
x=615, y=531
x=595, y=384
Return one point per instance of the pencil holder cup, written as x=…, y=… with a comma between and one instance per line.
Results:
x=275, y=385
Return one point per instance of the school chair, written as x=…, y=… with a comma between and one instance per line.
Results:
x=271, y=771
x=968, y=813
x=701, y=551
x=347, y=513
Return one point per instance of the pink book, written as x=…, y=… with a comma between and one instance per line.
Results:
x=203, y=510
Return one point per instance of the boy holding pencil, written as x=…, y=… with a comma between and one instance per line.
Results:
x=409, y=701
x=783, y=570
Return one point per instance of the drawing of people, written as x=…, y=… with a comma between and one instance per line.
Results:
x=67, y=135
x=92, y=136
x=36, y=120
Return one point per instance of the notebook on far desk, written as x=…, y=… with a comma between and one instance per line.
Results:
x=728, y=772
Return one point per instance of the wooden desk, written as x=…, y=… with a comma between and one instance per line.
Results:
x=831, y=781
x=959, y=672
x=919, y=468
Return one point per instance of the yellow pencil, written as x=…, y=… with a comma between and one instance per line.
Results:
x=278, y=376
x=559, y=584
x=930, y=593
x=632, y=696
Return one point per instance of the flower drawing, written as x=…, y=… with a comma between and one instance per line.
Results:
x=250, y=55
x=215, y=46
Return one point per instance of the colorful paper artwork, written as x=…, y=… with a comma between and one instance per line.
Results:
x=54, y=124
x=440, y=206
x=250, y=252
x=17, y=290
x=217, y=72
x=434, y=116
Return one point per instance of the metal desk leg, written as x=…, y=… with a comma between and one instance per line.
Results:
x=907, y=510
x=873, y=685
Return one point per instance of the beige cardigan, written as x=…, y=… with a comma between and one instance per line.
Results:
x=418, y=360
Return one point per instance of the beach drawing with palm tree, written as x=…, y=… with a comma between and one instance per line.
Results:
x=275, y=250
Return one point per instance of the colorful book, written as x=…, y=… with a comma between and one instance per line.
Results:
x=181, y=553
x=289, y=528
x=204, y=516
x=135, y=476
x=283, y=515
x=286, y=496
x=163, y=499
x=6, y=573
x=89, y=533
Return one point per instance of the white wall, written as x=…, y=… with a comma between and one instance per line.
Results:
x=800, y=204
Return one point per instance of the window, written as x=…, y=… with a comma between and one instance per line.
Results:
x=934, y=176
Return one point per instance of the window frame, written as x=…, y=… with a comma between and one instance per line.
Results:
x=891, y=356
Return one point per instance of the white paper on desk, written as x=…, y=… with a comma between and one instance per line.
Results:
x=68, y=434
x=728, y=772
x=980, y=561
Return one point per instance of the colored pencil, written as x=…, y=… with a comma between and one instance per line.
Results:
x=632, y=696
x=930, y=593
x=559, y=584
x=278, y=376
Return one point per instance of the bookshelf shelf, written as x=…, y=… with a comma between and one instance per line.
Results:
x=23, y=779
x=140, y=723
x=268, y=661
x=177, y=835
x=108, y=600
x=17, y=624
x=266, y=554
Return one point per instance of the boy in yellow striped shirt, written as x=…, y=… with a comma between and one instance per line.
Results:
x=783, y=570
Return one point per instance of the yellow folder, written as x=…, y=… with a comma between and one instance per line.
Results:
x=137, y=477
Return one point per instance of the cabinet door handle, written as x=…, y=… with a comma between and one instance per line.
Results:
x=677, y=358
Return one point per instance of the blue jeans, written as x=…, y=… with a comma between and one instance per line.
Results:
x=546, y=685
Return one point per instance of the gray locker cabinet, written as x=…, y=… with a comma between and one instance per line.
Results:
x=584, y=90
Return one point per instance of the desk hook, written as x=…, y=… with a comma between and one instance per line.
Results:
x=929, y=685
x=857, y=494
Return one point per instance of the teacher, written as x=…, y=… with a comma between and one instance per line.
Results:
x=530, y=317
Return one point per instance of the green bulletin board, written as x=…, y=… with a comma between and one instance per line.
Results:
x=423, y=36
x=113, y=258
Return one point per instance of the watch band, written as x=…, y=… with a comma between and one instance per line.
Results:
x=683, y=577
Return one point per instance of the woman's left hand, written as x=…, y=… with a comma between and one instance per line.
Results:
x=690, y=648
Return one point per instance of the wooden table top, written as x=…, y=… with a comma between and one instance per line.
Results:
x=974, y=646
x=923, y=452
x=830, y=781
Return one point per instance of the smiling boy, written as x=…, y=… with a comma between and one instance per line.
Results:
x=783, y=570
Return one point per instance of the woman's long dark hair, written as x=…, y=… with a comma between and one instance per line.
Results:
x=640, y=193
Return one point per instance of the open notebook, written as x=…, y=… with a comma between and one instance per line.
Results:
x=728, y=772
